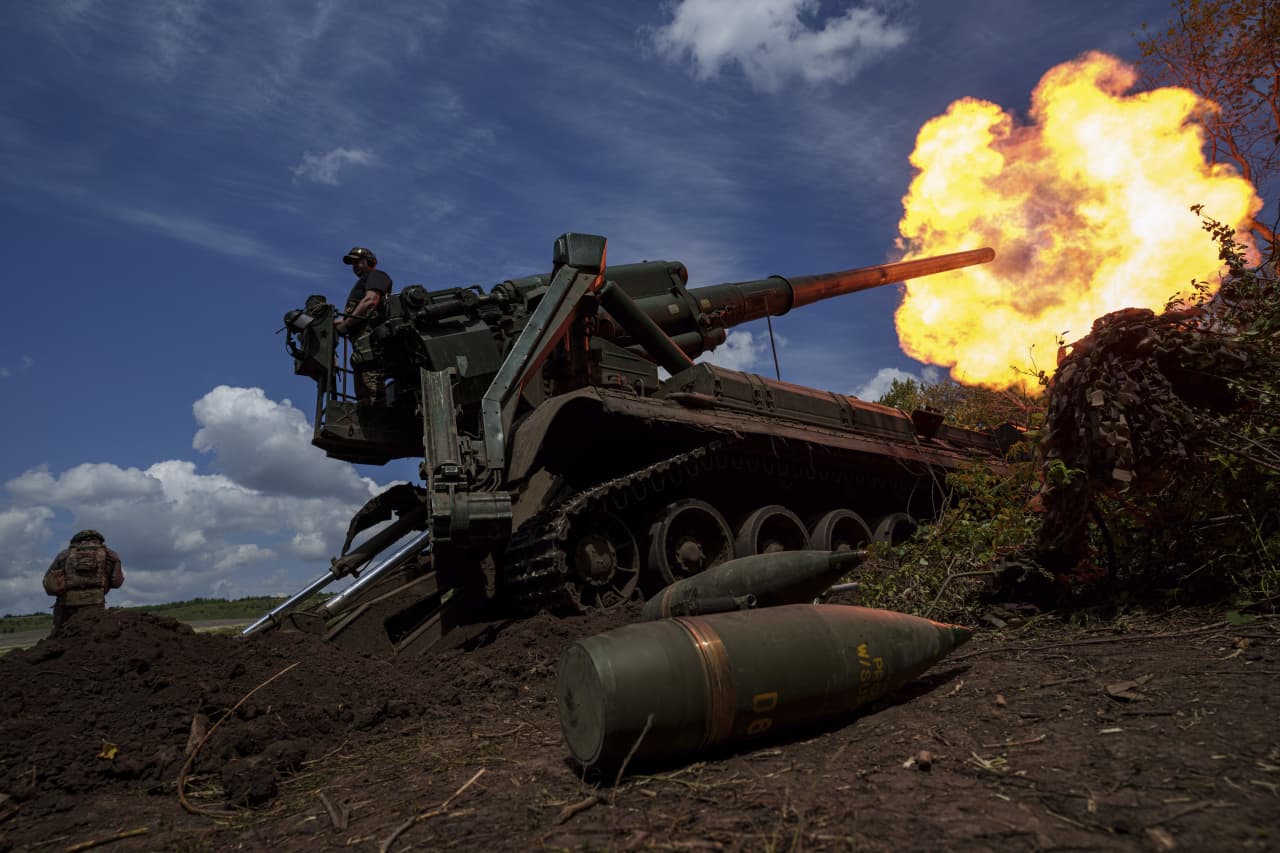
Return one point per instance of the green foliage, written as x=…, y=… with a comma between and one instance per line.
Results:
x=200, y=609
x=943, y=570
x=966, y=405
x=30, y=622
x=987, y=522
x=905, y=394
x=193, y=610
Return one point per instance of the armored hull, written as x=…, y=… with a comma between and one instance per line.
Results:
x=726, y=464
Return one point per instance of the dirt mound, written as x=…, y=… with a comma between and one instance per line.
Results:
x=1144, y=734
x=506, y=662
x=111, y=703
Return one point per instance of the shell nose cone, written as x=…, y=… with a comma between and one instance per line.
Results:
x=956, y=635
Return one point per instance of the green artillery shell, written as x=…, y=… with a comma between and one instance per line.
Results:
x=672, y=688
x=786, y=577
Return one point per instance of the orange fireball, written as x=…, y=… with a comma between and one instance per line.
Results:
x=1087, y=207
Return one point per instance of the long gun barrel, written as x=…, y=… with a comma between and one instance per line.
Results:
x=695, y=319
x=745, y=301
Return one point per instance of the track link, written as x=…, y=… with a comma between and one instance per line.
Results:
x=536, y=571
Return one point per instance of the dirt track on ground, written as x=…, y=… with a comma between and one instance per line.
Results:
x=20, y=640
x=1150, y=734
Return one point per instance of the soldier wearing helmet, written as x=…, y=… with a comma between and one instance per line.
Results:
x=81, y=575
x=365, y=306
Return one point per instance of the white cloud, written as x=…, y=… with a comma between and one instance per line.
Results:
x=266, y=445
x=324, y=168
x=741, y=350
x=172, y=517
x=772, y=41
x=21, y=593
x=24, y=532
x=96, y=481
x=241, y=555
x=309, y=545
x=21, y=527
x=879, y=385
x=744, y=350
x=181, y=533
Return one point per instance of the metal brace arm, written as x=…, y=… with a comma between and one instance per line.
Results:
x=581, y=259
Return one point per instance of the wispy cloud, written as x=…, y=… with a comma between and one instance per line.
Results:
x=79, y=186
x=324, y=168
x=773, y=43
x=242, y=60
x=201, y=232
x=25, y=363
x=175, y=30
x=273, y=102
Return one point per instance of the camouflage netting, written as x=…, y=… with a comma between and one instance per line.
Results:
x=1145, y=414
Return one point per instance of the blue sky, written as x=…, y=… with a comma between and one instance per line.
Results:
x=176, y=175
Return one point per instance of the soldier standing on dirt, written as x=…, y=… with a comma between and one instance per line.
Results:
x=365, y=306
x=81, y=575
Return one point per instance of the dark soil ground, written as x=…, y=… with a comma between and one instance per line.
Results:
x=1143, y=734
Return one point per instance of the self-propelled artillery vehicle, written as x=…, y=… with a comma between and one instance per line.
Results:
x=574, y=454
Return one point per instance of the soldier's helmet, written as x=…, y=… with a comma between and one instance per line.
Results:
x=359, y=252
x=87, y=536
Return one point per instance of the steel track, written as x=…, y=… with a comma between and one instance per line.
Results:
x=535, y=572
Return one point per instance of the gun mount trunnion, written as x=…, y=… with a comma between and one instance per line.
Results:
x=561, y=470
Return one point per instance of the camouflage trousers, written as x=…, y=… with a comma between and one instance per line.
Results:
x=370, y=381
x=370, y=387
x=63, y=613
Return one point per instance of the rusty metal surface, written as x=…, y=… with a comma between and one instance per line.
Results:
x=533, y=430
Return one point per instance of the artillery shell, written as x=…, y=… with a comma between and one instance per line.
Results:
x=695, y=606
x=673, y=688
x=786, y=577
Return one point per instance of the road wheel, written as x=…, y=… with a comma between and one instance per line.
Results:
x=840, y=530
x=603, y=560
x=690, y=536
x=771, y=529
x=895, y=528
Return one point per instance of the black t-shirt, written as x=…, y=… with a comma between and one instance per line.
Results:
x=374, y=279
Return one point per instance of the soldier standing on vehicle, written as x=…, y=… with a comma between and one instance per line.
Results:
x=81, y=575
x=366, y=305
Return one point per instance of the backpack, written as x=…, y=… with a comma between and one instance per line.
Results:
x=86, y=572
